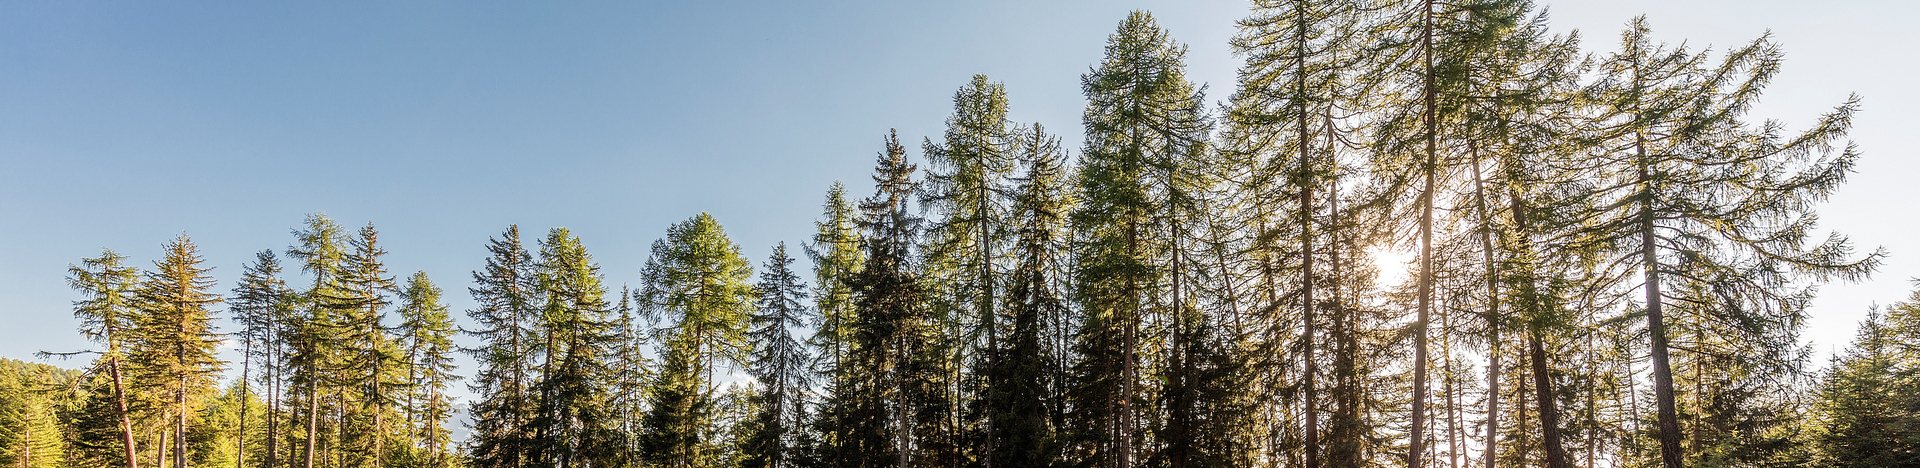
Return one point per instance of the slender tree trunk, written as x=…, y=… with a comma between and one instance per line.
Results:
x=240, y=438
x=1668, y=421
x=1306, y=182
x=313, y=422
x=180, y=426
x=1548, y=403
x=1493, y=310
x=1549, y=412
x=120, y=407
x=1417, y=446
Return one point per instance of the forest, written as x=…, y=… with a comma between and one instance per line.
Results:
x=1610, y=265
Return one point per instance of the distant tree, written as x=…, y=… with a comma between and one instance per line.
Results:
x=426, y=334
x=572, y=422
x=1867, y=406
x=505, y=292
x=779, y=363
x=837, y=255
x=260, y=303
x=107, y=316
x=175, y=340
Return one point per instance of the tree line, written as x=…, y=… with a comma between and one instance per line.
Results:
x=1611, y=265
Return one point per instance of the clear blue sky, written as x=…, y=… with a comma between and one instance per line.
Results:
x=124, y=124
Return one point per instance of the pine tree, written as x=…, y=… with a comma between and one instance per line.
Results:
x=175, y=338
x=779, y=364
x=506, y=291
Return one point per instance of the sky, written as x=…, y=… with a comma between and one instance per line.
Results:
x=123, y=125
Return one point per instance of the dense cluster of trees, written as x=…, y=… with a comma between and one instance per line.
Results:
x=1611, y=263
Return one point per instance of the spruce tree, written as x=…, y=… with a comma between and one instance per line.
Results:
x=505, y=292
x=175, y=338
x=1865, y=410
x=779, y=364
x=1021, y=397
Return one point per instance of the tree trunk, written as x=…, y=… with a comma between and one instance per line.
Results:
x=1417, y=444
x=1493, y=310
x=120, y=405
x=313, y=421
x=1668, y=421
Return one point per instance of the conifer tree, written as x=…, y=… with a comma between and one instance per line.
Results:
x=633, y=375
x=1865, y=410
x=260, y=303
x=886, y=382
x=965, y=187
x=1021, y=378
x=1284, y=119
x=1714, y=213
x=426, y=333
x=309, y=336
x=697, y=282
x=505, y=291
x=107, y=315
x=572, y=421
x=836, y=254
x=779, y=364
x=175, y=337
x=1142, y=117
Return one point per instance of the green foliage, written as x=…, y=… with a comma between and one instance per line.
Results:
x=697, y=283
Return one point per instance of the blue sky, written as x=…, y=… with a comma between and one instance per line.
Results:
x=125, y=124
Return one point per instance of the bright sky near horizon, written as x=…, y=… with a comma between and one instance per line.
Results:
x=123, y=125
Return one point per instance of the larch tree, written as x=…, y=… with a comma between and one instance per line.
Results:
x=965, y=187
x=108, y=314
x=697, y=283
x=571, y=424
x=426, y=335
x=1715, y=214
x=1142, y=118
x=837, y=255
